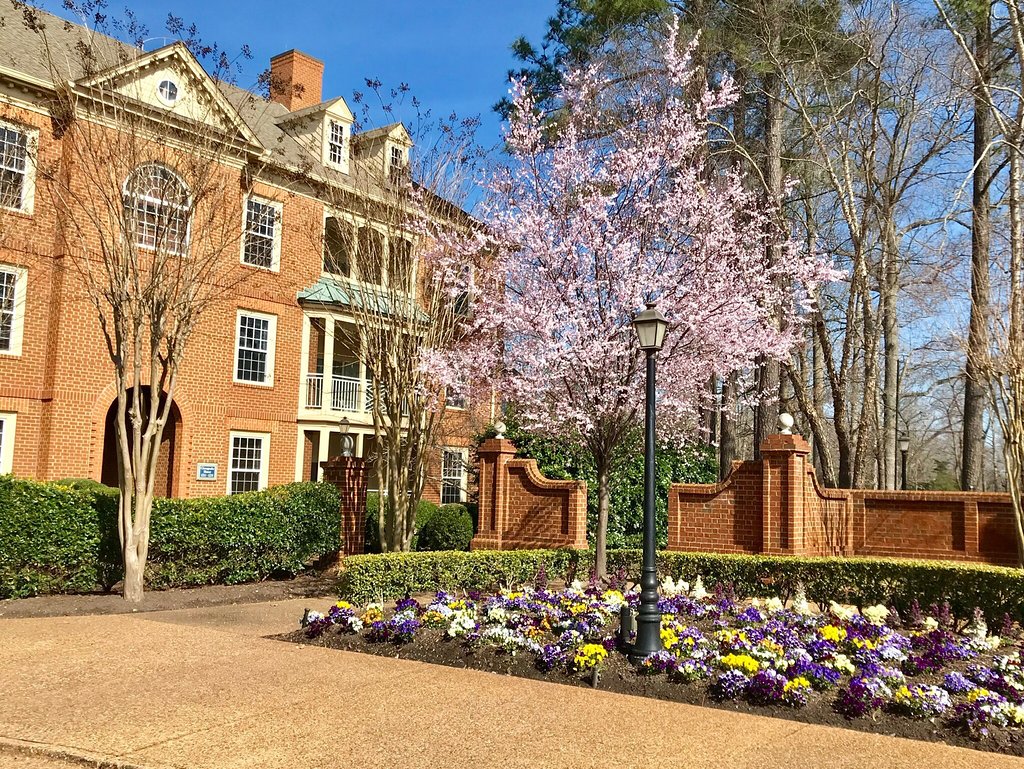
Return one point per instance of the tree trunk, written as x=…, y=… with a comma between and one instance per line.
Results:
x=890, y=352
x=975, y=386
x=603, y=503
x=727, y=444
x=766, y=413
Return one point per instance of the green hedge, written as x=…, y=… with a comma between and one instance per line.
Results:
x=449, y=528
x=382, y=577
x=858, y=581
x=59, y=539
x=244, y=537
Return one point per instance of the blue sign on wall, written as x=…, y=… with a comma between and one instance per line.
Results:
x=207, y=471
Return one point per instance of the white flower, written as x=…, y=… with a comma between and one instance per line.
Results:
x=842, y=612
x=992, y=642
x=876, y=615
x=774, y=604
x=497, y=614
x=930, y=624
x=313, y=616
x=670, y=588
x=463, y=622
x=698, y=593
x=842, y=664
x=356, y=624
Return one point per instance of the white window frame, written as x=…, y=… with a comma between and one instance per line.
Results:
x=158, y=204
x=8, y=425
x=18, y=321
x=271, y=345
x=448, y=404
x=28, y=189
x=463, y=465
x=329, y=125
x=264, y=470
x=275, y=254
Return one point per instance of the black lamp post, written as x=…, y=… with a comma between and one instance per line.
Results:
x=650, y=328
x=904, y=444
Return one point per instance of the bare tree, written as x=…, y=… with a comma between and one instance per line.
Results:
x=149, y=206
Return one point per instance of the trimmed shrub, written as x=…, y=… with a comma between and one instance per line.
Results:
x=448, y=528
x=58, y=539
x=87, y=484
x=424, y=510
x=858, y=581
x=392, y=575
x=244, y=537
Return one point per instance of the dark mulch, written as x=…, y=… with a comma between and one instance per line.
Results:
x=619, y=676
x=310, y=585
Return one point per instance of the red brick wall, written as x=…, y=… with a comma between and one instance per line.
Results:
x=521, y=509
x=776, y=506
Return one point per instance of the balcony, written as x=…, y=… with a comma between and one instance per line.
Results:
x=343, y=394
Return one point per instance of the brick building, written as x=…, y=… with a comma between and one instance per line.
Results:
x=268, y=376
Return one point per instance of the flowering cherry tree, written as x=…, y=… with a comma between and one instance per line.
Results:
x=612, y=202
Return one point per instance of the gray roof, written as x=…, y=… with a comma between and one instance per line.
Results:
x=23, y=50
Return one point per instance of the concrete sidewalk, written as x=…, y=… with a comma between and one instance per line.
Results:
x=151, y=691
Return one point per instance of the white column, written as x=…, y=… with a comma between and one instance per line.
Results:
x=325, y=442
x=328, y=362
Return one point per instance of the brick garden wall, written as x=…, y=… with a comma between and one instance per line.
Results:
x=776, y=506
x=521, y=509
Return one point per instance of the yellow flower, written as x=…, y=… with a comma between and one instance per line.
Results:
x=863, y=643
x=833, y=633
x=773, y=648
x=743, y=662
x=371, y=615
x=589, y=656
x=797, y=683
x=669, y=638
x=976, y=694
x=343, y=605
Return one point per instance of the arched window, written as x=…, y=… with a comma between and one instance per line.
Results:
x=156, y=207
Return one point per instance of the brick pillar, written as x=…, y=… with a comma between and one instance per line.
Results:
x=349, y=475
x=783, y=470
x=493, y=455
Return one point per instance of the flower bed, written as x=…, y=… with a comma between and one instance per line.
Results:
x=925, y=676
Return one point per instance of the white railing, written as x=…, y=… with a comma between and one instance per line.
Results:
x=344, y=393
x=314, y=391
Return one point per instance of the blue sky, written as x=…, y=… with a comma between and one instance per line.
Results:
x=453, y=53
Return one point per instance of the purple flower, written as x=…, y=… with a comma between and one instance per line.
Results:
x=862, y=696
x=956, y=683
x=766, y=688
x=407, y=603
x=729, y=685
x=659, y=662
x=821, y=677
x=550, y=657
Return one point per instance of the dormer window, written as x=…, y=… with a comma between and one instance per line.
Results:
x=397, y=163
x=336, y=143
x=168, y=92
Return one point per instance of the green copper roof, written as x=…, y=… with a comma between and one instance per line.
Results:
x=333, y=292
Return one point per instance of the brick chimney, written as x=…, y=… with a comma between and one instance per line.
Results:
x=296, y=80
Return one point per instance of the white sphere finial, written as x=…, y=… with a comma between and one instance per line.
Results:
x=786, y=423
x=499, y=429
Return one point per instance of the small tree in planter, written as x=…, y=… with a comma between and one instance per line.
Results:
x=613, y=201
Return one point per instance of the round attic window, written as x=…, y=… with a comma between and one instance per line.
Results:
x=168, y=91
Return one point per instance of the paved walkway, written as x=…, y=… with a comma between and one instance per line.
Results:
x=199, y=688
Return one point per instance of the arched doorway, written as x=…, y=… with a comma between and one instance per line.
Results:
x=167, y=461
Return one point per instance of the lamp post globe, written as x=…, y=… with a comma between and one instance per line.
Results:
x=348, y=441
x=904, y=444
x=650, y=326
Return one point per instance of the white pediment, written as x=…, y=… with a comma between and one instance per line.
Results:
x=170, y=81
